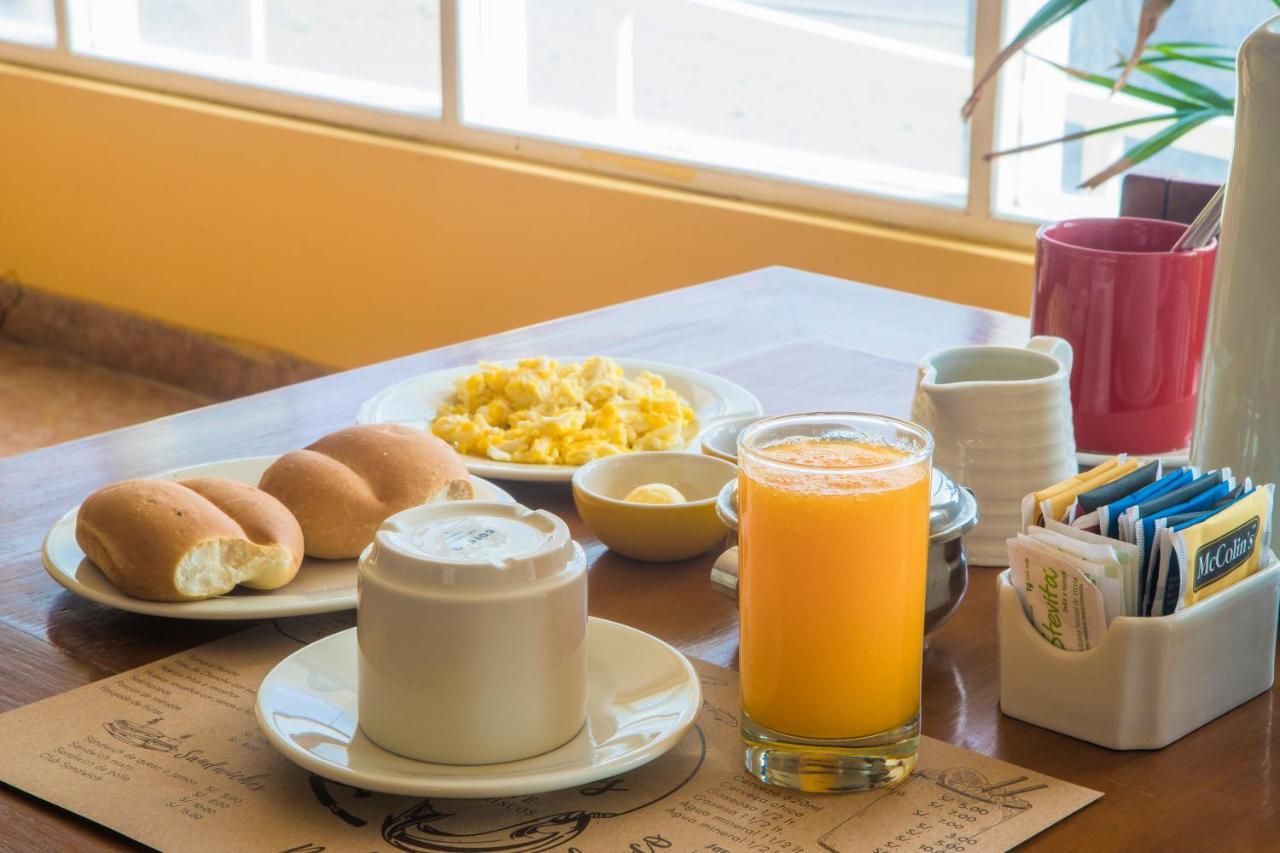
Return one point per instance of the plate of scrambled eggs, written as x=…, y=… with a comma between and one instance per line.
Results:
x=541, y=418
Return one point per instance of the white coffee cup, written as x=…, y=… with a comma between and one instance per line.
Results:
x=471, y=623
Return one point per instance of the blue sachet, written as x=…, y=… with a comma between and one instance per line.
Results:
x=1109, y=514
x=1128, y=520
x=1146, y=532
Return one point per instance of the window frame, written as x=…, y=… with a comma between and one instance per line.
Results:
x=974, y=221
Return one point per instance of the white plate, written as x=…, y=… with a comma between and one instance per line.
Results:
x=414, y=402
x=642, y=696
x=321, y=586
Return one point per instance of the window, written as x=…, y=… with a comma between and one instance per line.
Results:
x=1039, y=102
x=379, y=54
x=813, y=92
x=850, y=106
x=28, y=22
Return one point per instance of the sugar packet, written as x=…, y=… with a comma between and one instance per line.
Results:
x=1202, y=557
x=1084, y=514
x=1139, y=543
x=1099, y=563
x=1032, y=504
x=1144, y=531
x=1152, y=507
x=1109, y=514
x=1126, y=552
x=1061, y=602
x=1060, y=500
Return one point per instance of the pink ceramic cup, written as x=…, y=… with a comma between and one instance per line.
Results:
x=1135, y=316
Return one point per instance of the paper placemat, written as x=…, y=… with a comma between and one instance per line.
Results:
x=170, y=754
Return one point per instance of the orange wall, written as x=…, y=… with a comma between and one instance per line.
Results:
x=346, y=248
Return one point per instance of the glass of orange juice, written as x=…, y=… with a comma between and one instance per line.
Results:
x=833, y=540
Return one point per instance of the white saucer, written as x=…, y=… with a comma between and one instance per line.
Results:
x=642, y=697
x=322, y=586
x=414, y=402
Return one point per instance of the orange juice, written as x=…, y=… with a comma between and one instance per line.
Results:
x=832, y=586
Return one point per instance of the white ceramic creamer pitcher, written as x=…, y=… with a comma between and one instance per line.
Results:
x=1001, y=423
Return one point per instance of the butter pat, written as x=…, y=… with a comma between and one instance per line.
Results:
x=655, y=493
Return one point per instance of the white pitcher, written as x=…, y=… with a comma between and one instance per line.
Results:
x=1001, y=424
x=1239, y=408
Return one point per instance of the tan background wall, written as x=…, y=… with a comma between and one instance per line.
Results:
x=346, y=248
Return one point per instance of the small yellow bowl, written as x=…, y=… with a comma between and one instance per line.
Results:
x=655, y=533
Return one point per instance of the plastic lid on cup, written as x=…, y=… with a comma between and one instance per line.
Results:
x=471, y=543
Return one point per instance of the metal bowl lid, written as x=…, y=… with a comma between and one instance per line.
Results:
x=953, y=509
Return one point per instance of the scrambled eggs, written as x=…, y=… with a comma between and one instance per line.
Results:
x=547, y=413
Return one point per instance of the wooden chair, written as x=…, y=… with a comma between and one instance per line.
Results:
x=1163, y=198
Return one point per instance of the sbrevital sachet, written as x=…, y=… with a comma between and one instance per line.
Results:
x=1063, y=605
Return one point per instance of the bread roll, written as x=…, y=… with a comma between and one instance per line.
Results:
x=167, y=541
x=342, y=487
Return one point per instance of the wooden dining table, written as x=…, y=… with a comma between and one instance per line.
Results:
x=799, y=342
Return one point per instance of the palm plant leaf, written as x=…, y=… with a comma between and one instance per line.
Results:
x=1153, y=145
x=1046, y=16
x=1187, y=48
x=1221, y=63
x=1188, y=45
x=1145, y=94
x=1187, y=87
x=1148, y=18
x=1166, y=52
x=1191, y=103
x=1191, y=107
x=1092, y=131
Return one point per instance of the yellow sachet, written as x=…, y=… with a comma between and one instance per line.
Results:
x=1224, y=549
x=1056, y=506
x=1032, y=514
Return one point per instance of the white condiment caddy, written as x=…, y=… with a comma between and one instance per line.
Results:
x=1152, y=680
